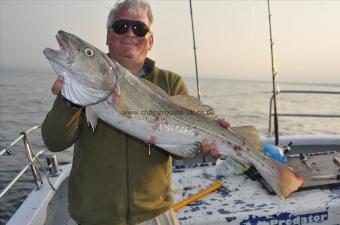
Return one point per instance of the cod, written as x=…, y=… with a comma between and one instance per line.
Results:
x=177, y=124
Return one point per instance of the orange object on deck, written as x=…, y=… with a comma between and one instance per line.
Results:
x=213, y=187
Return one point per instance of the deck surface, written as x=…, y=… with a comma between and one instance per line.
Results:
x=244, y=201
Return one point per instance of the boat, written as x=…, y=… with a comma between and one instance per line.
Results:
x=241, y=200
x=238, y=199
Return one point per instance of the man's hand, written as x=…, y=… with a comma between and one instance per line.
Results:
x=57, y=85
x=210, y=148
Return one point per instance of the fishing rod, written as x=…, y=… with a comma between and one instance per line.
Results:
x=195, y=56
x=274, y=74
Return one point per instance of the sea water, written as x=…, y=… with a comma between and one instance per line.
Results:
x=25, y=99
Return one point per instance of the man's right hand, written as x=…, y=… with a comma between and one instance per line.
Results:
x=57, y=85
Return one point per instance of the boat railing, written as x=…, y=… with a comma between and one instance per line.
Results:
x=292, y=114
x=31, y=156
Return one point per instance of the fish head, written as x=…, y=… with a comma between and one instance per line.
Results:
x=82, y=65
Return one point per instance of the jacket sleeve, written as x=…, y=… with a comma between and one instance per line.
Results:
x=178, y=87
x=56, y=135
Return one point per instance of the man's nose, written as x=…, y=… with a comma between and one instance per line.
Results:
x=129, y=32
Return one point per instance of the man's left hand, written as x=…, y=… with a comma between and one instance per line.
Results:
x=210, y=148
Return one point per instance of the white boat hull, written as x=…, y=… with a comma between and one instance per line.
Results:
x=248, y=203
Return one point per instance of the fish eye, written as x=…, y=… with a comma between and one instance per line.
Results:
x=89, y=52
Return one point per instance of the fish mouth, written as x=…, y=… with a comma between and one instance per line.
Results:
x=63, y=55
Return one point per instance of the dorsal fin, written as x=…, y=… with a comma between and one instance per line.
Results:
x=187, y=102
x=155, y=88
x=250, y=134
x=192, y=104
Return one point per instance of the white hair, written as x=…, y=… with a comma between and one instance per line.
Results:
x=135, y=7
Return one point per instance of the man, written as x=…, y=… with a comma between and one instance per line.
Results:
x=114, y=179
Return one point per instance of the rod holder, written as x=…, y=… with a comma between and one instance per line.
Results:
x=29, y=154
x=52, y=165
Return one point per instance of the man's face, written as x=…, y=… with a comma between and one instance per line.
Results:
x=128, y=46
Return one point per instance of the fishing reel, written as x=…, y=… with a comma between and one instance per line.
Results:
x=275, y=152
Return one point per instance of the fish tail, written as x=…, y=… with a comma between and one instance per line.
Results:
x=288, y=181
x=281, y=178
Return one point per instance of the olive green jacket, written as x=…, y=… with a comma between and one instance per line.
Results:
x=113, y=179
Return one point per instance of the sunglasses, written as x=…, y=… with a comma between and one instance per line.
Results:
x=138, y=28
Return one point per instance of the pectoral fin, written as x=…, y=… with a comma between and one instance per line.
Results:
x=91, y=117
x=118, y=103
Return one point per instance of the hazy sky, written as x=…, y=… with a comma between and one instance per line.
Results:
x=232, y=36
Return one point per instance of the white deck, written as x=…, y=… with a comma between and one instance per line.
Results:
x=249, y=203
x=45, y=206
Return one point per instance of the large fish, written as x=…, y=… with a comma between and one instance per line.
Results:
x=177, y=124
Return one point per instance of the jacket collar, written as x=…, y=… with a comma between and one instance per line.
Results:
x=148, y=67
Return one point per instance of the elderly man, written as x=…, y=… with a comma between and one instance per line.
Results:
x=114, y=179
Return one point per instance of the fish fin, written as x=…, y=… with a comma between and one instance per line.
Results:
x=186, y=102
x=193, y=104
x=91, y=117
x=250, y=134
x=290, y=181
x=155, y=88
x=119, y=104
x=74, y=118
x=185, y=151
x=284, y=180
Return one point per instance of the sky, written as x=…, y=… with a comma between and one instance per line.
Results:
x=232, y=36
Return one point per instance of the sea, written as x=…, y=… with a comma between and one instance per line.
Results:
x=25, y=99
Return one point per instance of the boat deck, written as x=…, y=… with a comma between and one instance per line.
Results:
x=240, y=201
x=244, y=201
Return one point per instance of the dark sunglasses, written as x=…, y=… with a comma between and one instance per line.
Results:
x=138, y=28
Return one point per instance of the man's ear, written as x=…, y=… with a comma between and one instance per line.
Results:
x=151, y=42
x=107, y=38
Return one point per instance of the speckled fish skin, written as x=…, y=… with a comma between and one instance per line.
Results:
x=143, y=110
